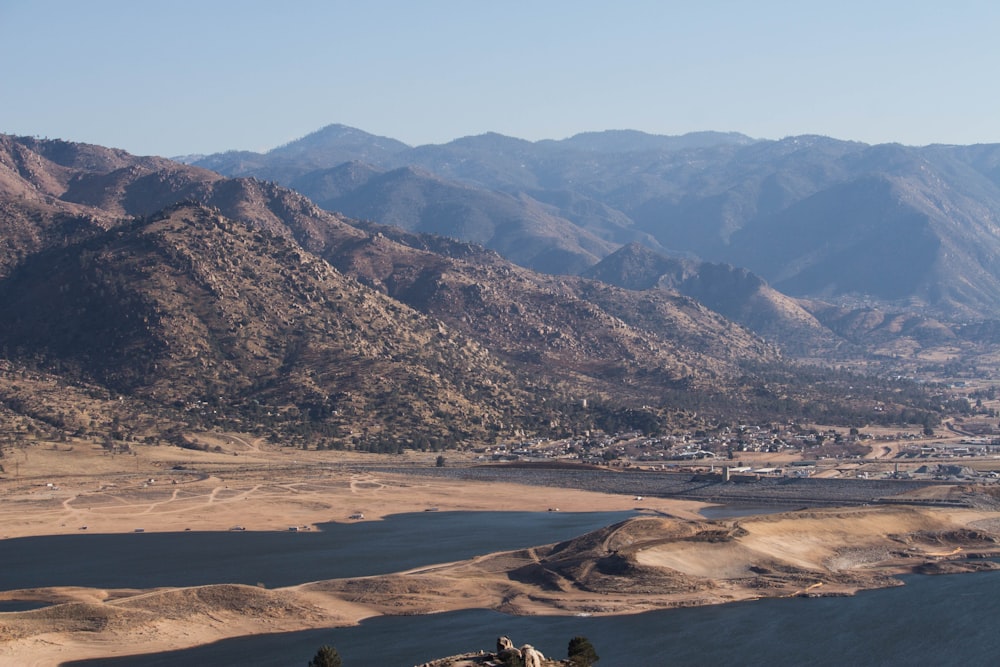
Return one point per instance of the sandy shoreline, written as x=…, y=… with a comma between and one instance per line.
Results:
x=219, y=504
x=63, y=491
x=258, y=490
x=672, y=557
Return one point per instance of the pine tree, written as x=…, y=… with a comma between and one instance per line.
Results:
x=326, y=656
x=581, y=652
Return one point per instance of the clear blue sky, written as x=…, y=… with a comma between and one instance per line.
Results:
x=172, y=77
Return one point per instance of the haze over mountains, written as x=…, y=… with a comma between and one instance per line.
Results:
x=244, y=302
x=890, y=226
x=236, y=302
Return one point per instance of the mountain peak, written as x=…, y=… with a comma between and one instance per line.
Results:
x=338, y=135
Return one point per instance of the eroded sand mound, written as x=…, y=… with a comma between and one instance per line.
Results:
x=655, y=562
x=645, y=563
x=203, y=606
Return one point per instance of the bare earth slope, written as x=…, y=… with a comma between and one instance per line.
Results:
x=654, y=562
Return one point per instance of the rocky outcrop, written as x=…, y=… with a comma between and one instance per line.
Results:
x=506, y=654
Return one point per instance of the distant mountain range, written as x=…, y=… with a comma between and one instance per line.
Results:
x=887, y=226
x=239, y=303
x=141, y=295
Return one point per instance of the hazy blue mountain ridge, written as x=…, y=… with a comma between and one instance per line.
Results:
x=889, y=225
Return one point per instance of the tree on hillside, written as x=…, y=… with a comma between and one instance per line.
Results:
x=581, y=652
x=326, y=656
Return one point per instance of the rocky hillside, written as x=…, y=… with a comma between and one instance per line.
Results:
x=891, y=226
x=732, y=292
x=191, y=306
x=238, y=302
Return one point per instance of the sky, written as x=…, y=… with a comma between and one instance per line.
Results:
x=179, y=77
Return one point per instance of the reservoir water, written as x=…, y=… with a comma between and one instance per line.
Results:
x=933, y=620
x=400, y=542
x=940, y=620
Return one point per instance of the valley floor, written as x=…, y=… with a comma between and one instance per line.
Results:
x=669, y=556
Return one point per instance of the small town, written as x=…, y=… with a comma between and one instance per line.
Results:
x=776, y=451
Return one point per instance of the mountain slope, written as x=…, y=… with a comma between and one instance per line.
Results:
x=518, y=227
x=242, y=304
x=325, y=148
x=598, y=336
x=734, y=293
x=891, y=225
x=628, y=141
x=192, y=306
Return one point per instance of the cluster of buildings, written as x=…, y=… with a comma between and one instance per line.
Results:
x=789, y=451
x=635, y=448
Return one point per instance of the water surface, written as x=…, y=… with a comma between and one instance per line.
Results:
x=941, y=620
x=281, y=558
x=933, y=620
